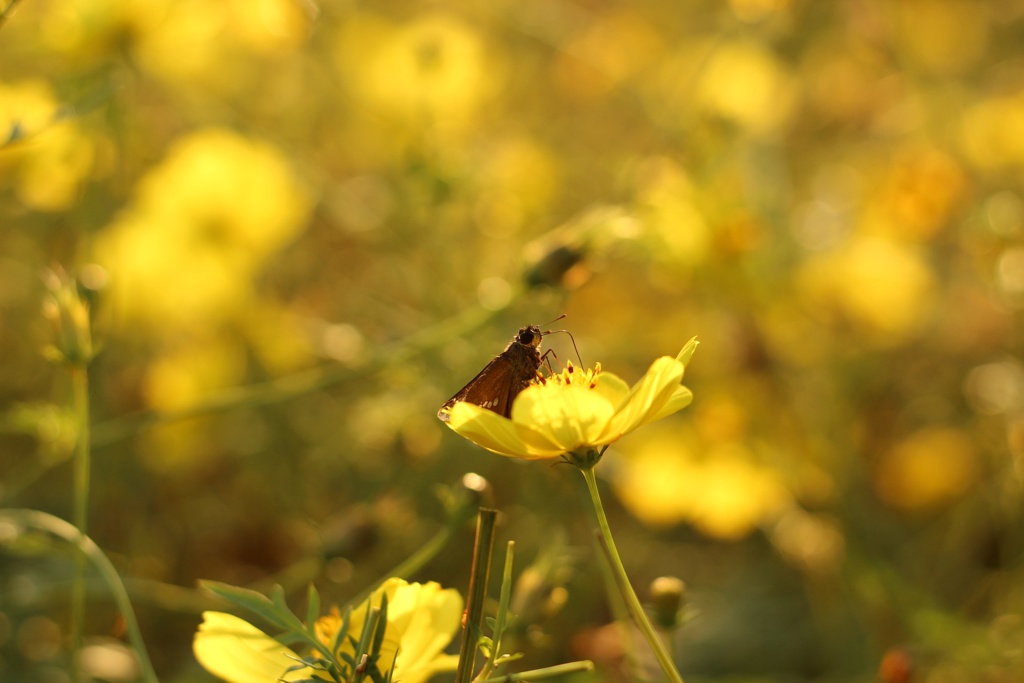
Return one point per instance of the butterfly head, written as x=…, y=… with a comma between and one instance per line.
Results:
x=529, y=336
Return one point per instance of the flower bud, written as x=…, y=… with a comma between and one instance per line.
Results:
x=68, y=314
x=668, y=595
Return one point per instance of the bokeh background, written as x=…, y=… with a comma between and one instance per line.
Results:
x=303, y=224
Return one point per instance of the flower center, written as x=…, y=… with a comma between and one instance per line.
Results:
x=571, y=376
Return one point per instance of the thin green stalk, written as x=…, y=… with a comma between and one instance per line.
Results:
x=622, y=580
x=82, y=467
x=299, y=574
x=546, y=672
x=459, y=514
x=483, y=550
x=617, y=606
x=502, y=615
x=414, y=562
x=297, y=384
x=87, y=548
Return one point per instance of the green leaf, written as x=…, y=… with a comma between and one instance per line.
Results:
x=342, y=633
x=278, y=599
x=254, y=602
x=292, y=636
x=509, y=658
x=498, y=624
x=369, y=628
x=312, y=609
x=382, y=624
x=375, y=675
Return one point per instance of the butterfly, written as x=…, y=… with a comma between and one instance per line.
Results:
x=501, y=380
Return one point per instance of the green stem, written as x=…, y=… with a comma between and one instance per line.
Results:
x=500, y=618
x=88, y=549
x=479, y=572
x=409, y=566
x=82, y=466
x=622, y=579
x=546, y=672
x=301, y=383
x=460, y=514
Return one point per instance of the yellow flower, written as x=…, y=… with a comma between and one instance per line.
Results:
x=883, y=289
x=434, y=66
x=52, y=159
x=201, y=225
x=577, y=411
x=421, y=621
x=724, y=494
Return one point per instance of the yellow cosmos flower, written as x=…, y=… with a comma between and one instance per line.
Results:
x=577, y=411
x=421, y=621
x=201, y=225
x=53, y=159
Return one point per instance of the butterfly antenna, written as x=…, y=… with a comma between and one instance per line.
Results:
x=566, y=332
x=573, y=339
x=555, y=321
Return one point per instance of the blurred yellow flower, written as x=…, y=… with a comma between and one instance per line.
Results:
x=50, y=159
x=747, y=84
x=183, y=375
x=723, y=493
x=756, y=10
x=921, y=191
x=432, y=69
x=666, y=207
x=881, y=288
x=271, y=26
x=613, y=48
x=994, y=132
x=577, y=410
x=201, y=225
x=931, y=467
x=944, y=36
x=213, y=44
x=421, y=621
x=813, y=542
x=518, y=177
x=91, y=28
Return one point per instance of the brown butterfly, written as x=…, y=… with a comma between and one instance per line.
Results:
x=501, y=380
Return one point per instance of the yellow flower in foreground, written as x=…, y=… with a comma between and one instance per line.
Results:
x=577, y=411
x=421, y=621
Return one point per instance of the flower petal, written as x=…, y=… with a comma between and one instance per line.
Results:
x=646, y=399
x=681, y=398
x=439, y=664
x=499, y=434
x=570, y=416
x=327, y=626
x=613, y=388
x=236, y=651
x=686, y=353
x=428, y=617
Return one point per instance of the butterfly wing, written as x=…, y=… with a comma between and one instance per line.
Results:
x=497, y=385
